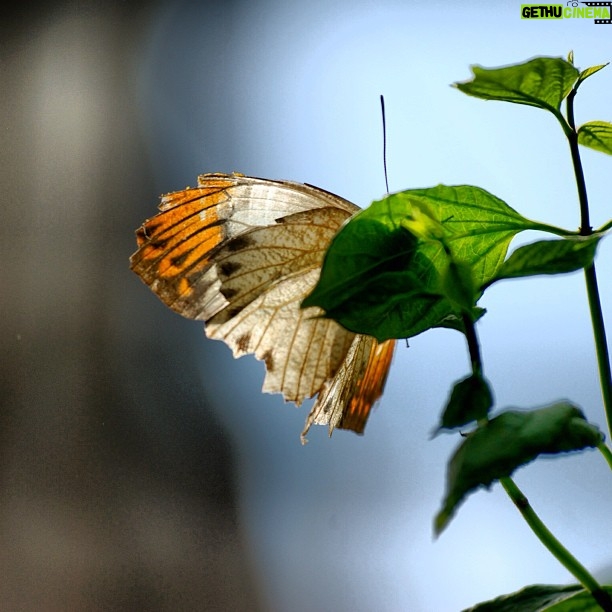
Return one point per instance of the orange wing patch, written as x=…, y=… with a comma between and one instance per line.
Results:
x=241, y=253
x=346, y=400
x=368, y=387
x=176, y=245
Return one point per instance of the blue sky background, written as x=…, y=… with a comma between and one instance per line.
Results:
x=290, y=90
x=119, y=414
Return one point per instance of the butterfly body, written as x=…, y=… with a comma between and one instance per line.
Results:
x=241, y=253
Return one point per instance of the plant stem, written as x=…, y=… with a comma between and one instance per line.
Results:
x=601, y=344
x=572, y=137
x=473, y=344
x=606, y=452
x=557, y=549
x=597, y=321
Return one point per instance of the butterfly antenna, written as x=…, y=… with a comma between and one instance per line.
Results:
x=384, y=127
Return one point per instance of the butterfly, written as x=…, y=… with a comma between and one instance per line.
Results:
x=241, y=253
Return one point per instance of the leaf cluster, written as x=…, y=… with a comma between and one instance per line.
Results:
x=423, y=258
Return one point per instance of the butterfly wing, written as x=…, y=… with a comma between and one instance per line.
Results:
x=241, y=253
x=346, y=399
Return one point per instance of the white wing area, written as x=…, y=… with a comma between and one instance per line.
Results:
x=240, y=254
x=265, y=281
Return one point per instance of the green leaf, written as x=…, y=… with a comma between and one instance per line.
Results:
x=478, y=226
x=379, y=279
x=582, y=601
x=509, y=441
x=543, y=598
x=587, y=72
x=387, y=305
x=549, y=257
x=535, y=598
x=604, y=228
x=458, y=285
x=369, y=274
x=422, y=222
x=543, y=82
x=365, y=246
x=596, y=135
x=470, y=400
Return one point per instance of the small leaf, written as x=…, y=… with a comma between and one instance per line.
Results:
x=535, y=598
x=380, y=279
x=596, y=135
x=470, y=400
x=509, y=441
x=549, y=257
x=587, y=72
x=542, y=82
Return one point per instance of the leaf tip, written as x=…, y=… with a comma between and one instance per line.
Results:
x=440, y=522
x=435, y=432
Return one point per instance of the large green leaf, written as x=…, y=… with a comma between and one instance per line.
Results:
x=372, y=270
x=596, y=135
x=478, y=226
x=379, y=279
x=509, y=441
x=386, y=305
x=543, y=598
x=549, y=257
x=365, y=247
x=543, y=82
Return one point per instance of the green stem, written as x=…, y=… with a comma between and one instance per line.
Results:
x=601, y=343
x=597, y=321
x=605, y=227
x=606, y=452
x=542, y=532
x=473, y=344
x=555, y=547
x=572, y=137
